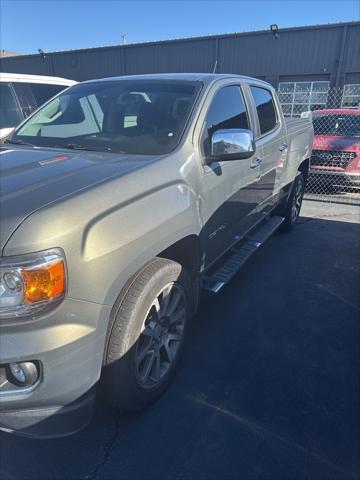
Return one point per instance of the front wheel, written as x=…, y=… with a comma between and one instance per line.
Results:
x=147, y=335
x=293, y=206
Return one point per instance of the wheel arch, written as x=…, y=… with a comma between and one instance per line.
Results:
x=185, y=251
x=304, y=168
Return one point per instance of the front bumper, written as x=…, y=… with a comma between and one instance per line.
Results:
x=68, y=343
x=49, y=422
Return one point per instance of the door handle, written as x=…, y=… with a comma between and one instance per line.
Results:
x=255, y=162
x=283, y=147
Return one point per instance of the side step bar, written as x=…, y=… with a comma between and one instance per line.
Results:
x=222, y=275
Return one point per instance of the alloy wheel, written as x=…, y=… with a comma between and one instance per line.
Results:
x=297, y=200
x=161, y=335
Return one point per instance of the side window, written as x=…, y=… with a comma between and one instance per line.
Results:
x=265, y=109
x=227, y=110
x=43, y=92
x=10, y=115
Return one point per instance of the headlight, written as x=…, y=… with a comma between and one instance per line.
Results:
x=29, y=283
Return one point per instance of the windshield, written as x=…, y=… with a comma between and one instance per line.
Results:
x=125, y=116
x=337, y=125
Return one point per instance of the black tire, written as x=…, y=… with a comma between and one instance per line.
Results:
x=294, y=202
x=124, y=381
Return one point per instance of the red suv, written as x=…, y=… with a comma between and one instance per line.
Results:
x=336, y=148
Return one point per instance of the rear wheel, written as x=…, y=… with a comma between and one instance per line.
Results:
x=293, y=206
x=148, y=334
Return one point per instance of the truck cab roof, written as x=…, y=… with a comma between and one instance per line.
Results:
x=206, y=78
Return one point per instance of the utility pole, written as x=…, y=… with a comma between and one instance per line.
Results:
x=123, y=39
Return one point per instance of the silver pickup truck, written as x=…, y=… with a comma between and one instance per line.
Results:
x=121, y=200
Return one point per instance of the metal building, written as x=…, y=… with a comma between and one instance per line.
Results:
x=323, y=56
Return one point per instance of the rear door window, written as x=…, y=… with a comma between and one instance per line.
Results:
x=10, y=114
x=265, y=108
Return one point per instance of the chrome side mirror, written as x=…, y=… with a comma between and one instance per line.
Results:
x=232, y=144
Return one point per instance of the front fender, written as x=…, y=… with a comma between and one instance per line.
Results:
x=104, y=250
x=130, y=236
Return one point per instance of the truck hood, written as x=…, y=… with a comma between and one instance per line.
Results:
x=31, y=178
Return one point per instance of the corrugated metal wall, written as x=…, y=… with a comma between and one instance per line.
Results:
x=319, y=52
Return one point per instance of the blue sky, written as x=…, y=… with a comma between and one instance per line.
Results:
x=51, y=25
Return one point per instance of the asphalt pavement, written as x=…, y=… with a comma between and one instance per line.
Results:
x=269, y=387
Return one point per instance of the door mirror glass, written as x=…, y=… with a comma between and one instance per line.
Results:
x=232, y=144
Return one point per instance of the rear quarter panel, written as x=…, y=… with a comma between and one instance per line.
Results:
x=300, y=140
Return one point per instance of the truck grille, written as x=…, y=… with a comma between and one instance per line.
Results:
x=324, y=158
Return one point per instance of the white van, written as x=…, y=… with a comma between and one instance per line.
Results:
x=20, y=95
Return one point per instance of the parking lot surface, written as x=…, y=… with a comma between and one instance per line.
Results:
x=269, y=387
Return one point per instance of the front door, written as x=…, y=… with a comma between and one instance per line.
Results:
x=230, y=193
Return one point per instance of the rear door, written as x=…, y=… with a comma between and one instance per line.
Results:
x=271, y=143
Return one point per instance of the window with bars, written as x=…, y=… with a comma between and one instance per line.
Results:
x=298, y=97
x=351, y=96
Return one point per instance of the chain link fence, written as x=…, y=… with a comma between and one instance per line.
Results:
x=335, y=114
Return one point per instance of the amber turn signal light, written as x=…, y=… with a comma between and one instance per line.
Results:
x=30, y=282
x=46, y=283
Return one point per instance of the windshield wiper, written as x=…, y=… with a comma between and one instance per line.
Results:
x=18, y=142
x=76, y=146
